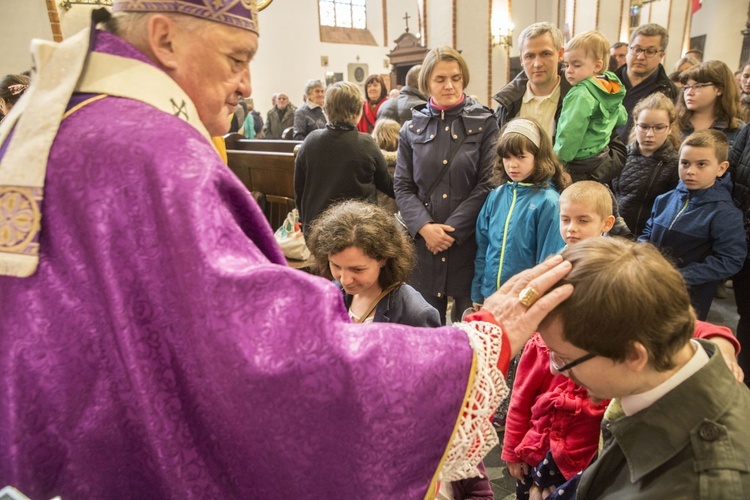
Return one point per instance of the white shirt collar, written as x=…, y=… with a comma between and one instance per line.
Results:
x=312, y=105
x=634, y=403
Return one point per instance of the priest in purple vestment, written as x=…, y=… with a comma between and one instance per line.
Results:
x=153, y=342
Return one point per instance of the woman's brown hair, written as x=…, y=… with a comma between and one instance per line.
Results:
x=367, y=227
x=726, y=106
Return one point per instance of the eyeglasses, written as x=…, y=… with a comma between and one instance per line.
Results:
x=649, y=53
x=561, y=367
x=697, y=87
x=658, y=129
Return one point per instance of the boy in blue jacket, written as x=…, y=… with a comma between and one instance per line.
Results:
x=697, y=224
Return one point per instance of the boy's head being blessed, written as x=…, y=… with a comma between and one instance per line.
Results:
x=585, y=211
x=703, y=158
x=627, y=325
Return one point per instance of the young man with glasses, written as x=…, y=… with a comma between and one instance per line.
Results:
x=676, y=426
x=552, y=429
x=644, y=74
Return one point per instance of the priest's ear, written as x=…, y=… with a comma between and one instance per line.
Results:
x=161, y=34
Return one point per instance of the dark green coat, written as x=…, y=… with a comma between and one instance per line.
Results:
x=693, y=443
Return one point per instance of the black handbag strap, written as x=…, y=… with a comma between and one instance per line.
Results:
x=446, y=166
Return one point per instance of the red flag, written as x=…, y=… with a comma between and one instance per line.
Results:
x=697, y=4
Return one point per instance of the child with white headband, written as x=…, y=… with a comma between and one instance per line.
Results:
x=518, y=226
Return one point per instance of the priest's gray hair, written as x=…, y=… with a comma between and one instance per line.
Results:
x=133, y=26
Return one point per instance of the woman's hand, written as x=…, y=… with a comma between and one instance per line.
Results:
x=435, y=237
x=518, y=321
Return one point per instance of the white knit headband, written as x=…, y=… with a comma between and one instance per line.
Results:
x=524, y=127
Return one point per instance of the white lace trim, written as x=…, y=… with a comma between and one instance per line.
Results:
x=475, y=435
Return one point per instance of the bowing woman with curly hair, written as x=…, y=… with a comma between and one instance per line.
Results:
x=360, y=246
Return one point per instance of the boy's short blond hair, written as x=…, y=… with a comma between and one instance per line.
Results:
x=593, y=43
x=594, y=195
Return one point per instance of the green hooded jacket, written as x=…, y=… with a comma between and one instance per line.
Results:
x=590, y=111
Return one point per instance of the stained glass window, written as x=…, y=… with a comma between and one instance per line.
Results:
x=343, y=13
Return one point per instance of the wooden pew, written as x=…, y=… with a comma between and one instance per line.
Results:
x=240, y=143
x=264, y=171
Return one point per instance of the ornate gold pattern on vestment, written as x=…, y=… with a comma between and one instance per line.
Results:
x=19, y=219
x=238, y=13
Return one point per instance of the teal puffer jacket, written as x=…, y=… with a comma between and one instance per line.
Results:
x=518, y=227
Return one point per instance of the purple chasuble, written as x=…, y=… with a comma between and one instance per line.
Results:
x=163, y=349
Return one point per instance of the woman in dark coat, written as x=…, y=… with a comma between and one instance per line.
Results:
x=310, y=116
x=338, y=162
x=450, y=124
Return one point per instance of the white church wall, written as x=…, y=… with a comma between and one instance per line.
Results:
x=722, y=22
x=20, y=22
x=679, y=34
x=439, y=23
x=472, y=39
x=610, y=15
x=290, y=50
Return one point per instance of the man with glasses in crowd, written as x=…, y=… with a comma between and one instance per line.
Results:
x=644, y=74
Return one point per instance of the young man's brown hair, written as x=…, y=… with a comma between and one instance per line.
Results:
x=626, y=292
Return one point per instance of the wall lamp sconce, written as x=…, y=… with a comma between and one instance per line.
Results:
x=503, y=37
x=68, y=4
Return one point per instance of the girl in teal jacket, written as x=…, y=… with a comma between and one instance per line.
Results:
x=519, y=224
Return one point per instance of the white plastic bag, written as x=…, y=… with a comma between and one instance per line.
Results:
x=290, y=238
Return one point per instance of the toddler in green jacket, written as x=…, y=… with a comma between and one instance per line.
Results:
x=591, y=109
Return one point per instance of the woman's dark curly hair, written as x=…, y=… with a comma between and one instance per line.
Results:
x=367, y=227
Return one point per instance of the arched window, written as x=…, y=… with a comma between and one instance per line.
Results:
x=344, y=21
x=343, y=13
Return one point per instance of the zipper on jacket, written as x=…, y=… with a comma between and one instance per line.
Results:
x=645, y=196
x=505, y=237
x=684, y=206
x=442, y=114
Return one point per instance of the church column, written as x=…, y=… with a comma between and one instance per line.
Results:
x=745, y=53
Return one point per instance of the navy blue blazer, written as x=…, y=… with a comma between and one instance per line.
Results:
x=404, y=305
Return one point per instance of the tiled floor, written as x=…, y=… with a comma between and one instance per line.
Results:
x=723, y=312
